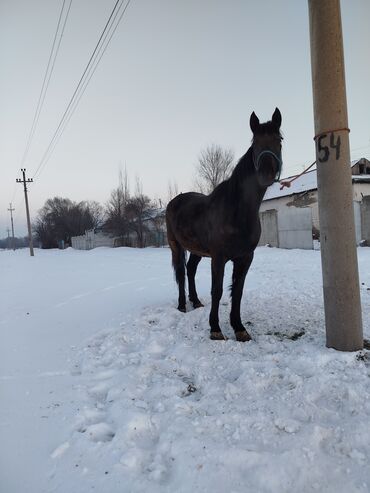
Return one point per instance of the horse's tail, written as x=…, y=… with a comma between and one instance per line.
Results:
x=178, y=256
x=178, y=262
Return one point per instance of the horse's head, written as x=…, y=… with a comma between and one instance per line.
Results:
x=266, y=147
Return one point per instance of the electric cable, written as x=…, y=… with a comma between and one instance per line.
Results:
x=79, y=94
x=48, y=73
x=46, y=155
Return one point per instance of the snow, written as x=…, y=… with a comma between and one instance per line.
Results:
x=105, y=386
x=305, y=183
x=361, y=178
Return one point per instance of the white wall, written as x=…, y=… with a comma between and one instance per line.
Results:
x=284, y=204
x=357, y=212
x=359, y=190
x=91, y=240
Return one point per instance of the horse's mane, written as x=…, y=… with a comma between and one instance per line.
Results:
x=230, y=186
x=244, y=166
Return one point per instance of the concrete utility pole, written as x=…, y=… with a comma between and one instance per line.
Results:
x=24, y=181
x=337, y=228
x=8, y=242
x=11, y=209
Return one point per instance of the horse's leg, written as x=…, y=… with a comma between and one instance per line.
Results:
x=241, y=267
x=218, y=268
x=178, y=262
x=191, y=268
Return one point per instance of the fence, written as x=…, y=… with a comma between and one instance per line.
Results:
x=91, y=240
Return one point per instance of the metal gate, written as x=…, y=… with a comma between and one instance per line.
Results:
x=290, y=227
x=269, y=228
x=295, y=228
x=365, y=220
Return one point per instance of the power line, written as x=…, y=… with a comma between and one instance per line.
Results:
x=82, y=84
x=46, y=81
x=48, y=73
x=14, y=192
x=73, y=103
x=361, y=147
x=89, y=73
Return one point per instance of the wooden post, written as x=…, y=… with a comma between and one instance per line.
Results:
x=24, y=181
x=337, y=228
x=11, y=210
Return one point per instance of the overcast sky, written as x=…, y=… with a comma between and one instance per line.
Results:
x=178, y=75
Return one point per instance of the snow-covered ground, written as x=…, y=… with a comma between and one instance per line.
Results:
x=106, y=387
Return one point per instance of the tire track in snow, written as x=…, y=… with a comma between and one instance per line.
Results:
x=78, y=297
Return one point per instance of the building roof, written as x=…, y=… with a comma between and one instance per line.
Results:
x=305, y=183
x=155, y=213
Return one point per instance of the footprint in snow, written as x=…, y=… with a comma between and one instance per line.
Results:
x=87, y=418
x=287, y=425
x=100, y=432
x=99, y=391
x=76, y=370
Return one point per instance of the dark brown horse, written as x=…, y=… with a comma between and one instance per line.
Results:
x=225, y=225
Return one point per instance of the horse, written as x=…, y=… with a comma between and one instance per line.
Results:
x=225, y=224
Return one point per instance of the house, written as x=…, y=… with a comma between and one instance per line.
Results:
x=290, y=217
x=155, y=227
x=148, y=229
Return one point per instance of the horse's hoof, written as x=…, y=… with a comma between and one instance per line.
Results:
x=242, y=336
x=181, y=309
x=198, y=304
x=217, y=336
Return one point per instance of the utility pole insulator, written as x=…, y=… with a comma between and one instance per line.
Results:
x=25, y=181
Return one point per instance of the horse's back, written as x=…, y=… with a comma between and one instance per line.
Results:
x=184, y=199
x=185, y=217
x=188, y=204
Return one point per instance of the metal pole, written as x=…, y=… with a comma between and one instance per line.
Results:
x=24, y=181
x=337, y=229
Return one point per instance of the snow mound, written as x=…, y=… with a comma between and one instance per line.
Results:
x=281, y=413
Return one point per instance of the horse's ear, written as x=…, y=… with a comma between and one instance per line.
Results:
x=254, y=122
x=276, y=118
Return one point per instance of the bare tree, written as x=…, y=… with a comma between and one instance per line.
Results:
x=138, y=210
x=138, y=213
x=95, y=211
x=172, y=190
x=215, y=164
x=115, y=209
